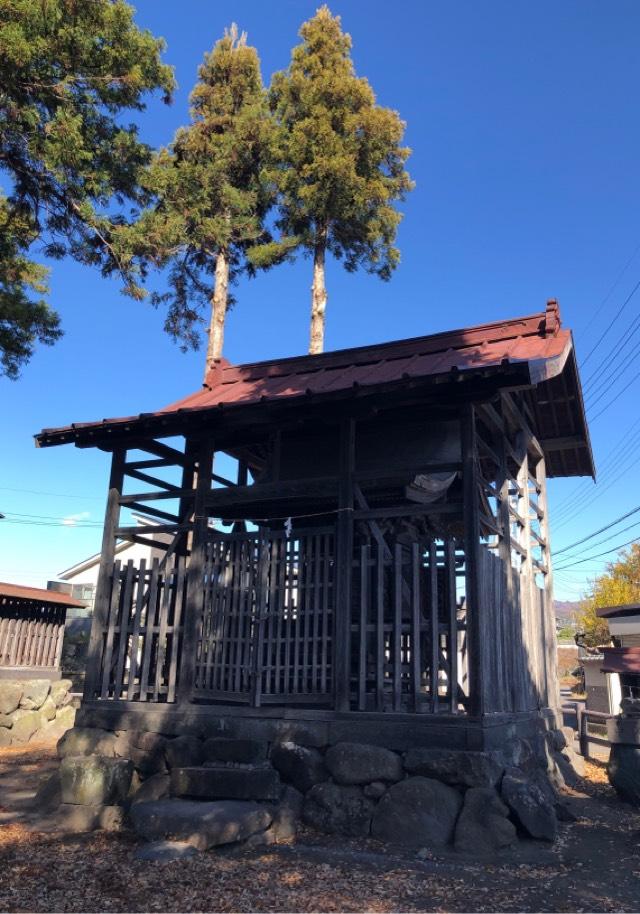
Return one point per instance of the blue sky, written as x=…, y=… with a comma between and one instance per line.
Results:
x=524, y=124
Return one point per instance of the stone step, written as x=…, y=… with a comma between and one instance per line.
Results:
x=219, y=782
x=202, y=825
x=230, y=749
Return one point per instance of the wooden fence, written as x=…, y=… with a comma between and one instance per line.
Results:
x=409, y=628
x=140, y=645
x=31, y=635
x=267, y=628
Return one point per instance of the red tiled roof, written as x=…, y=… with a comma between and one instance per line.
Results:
x=18, y=591
x=537, y=343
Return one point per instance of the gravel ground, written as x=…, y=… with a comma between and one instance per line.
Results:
x=594, y=866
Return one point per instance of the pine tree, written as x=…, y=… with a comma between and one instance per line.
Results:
x=340, y=163
x=210, y=194
x=69, y=70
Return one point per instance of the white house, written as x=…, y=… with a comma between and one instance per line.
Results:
x=80, y=579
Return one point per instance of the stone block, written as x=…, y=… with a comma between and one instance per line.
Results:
x=34, y=693
x=624, y=772
x=87, y=741
x=417, y=812
x=220, y=782
x=62, y=722
x=10, y=695
x=184, y=752
x=76, y=819
x=229, y=749
x=454, y=767
x=360, y=763
x=201, y=824
x=25, y=726
x=156, y=787
x=6, y=720
x=49, y=709
x=483, y=826
x=60, y=692
x=300, y=766
x=530, y=804
x=5, y=737
x=286, y=815
x=338, y=809
x=94, y=780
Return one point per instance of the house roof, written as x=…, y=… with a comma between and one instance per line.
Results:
x=621, y=660
x=613, y=612
x=537, y=344
x=37, y=595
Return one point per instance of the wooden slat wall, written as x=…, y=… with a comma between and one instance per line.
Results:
x=31, y=634
x=516, y=677
x=141, y=641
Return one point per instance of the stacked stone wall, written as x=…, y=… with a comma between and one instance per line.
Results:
x=34, y=710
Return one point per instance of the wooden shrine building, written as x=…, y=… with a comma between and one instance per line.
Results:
x=378, y=568
x=32, y=624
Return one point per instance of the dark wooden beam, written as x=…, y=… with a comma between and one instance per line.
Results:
x=471, y=557
x=568, y=442
x=344, y=564
x=195, y=572
x=105, y=574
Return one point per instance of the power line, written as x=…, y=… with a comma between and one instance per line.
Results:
x=617, y=397
x=52, y=494
x=614, y=319
x=583, y=501
x=613, y=286
x=601, y=530
x=600, y=554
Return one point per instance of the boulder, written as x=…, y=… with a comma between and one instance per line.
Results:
x=6, y=720
x=60, y=692
x=86, y=741
x=26, y=725
x=530, y=804
x=62, y=723
x=183, y=752
x=34, y=693
x=222, y=783
x=48, y=709
x=73, y=818
x=338, y=809
x=454, y=767
x=10, y=695
x=624, y=771
x=202, y=825
x=286, y=816
x=517, y=753
x=145, y=749
x=165, y=851
x=94, y=780
x=5, y=737
x=483, y=826
x=360, y=763
x=301, y=766
x=228, y=749
x=154, y=788
x=375, y=790
x=417, y=812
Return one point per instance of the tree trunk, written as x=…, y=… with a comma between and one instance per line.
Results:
x=318, y=298
x=218, y=311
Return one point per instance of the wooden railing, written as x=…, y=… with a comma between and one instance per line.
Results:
x=140, y=644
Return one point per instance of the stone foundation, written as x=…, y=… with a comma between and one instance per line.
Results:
x=208, y=790
x=33, y=710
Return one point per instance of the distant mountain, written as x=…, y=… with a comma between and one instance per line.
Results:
x=565, y=609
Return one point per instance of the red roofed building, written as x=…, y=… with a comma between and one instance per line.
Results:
x=380, y=563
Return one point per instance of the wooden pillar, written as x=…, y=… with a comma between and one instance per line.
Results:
x=471, y=556
x=551, y=638
x=194, y=604
x=509, y=672
x=105, y=573
x=344, y=566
